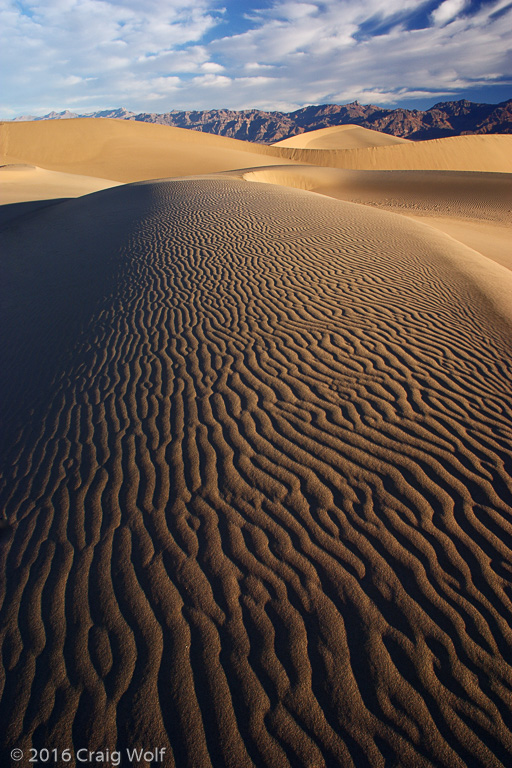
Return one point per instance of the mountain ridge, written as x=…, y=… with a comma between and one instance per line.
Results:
x=449, y=118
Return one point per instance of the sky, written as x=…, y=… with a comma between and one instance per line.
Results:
x=159, y=55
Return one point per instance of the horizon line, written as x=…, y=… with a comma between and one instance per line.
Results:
x=94, y=112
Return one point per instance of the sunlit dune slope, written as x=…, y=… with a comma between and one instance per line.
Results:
x=475, y=208
x=457, y=153
x=19, y=183
x=256, y=478
x=130, y=151
x=124, y=150
x=464, y=194
x=340, y=137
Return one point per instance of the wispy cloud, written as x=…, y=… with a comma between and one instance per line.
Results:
x=178, y=54
x=447, y=11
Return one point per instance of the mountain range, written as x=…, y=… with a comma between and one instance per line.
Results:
x=449, y=118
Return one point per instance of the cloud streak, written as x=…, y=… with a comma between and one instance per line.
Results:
x=93, y=54
x=447, y=11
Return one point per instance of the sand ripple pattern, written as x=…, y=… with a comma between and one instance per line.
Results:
x=262, y=514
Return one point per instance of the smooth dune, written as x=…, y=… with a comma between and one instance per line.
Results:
x=491, y=153
x=490, y=239
x=340, y=137
x=124, y=150
x=23, y=183
x=256, y=481
x=129, y=151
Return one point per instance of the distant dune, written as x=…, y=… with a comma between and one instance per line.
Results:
x=129, y=151
x=463, y=194
x=125, y=151
x=457, y=153
x=341, y=137
x=256, y=450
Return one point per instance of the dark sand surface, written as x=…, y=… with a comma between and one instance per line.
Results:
x=256, y=477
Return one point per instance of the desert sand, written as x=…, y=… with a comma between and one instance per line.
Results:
x=256, y=469
x=127, y=151
x=27, y=188
x=474, y=208
x=341, y=137
x=456, y=153
x=26, y=183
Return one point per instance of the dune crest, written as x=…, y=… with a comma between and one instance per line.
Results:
x=340, y=137
x=457, y=153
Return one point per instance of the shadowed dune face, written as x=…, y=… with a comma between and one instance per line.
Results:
x=259, y=512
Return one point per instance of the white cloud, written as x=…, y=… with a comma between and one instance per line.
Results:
x=292, y=10
x=256, y=67
x=212, y=81
x=324, y=58
x=109, y=53
x=211, y=66
x=447, y=11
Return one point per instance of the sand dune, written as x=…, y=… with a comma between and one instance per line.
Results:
x=474, y=208
x=491, y=240
x=124, y=150
x=258, y=493
x=483, y=196
x=129, y=151
x=457, y=153
x=341, y=137
x=25, y=189
x=22, y=183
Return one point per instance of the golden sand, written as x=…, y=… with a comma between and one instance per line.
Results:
x=27, y=183
x=256, y=469
x=341, y=137
x=125, y=150
x=474, y=208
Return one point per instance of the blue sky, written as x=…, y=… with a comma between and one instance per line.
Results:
x=159, y=55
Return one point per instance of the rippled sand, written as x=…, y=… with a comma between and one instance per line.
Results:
x=256, y=480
